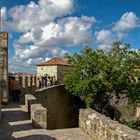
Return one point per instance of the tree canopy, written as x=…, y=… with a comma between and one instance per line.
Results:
x=96, y=75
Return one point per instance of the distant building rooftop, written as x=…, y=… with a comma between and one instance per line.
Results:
x=54, y=61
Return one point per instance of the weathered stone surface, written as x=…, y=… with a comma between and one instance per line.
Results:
x=27, y=83
x=30, y=102
x=40, y=117
x=29, y=99
x=62, y=107
x=33, y=107
x=137, y=112
x=37, y=113
x=3, y=68
x=100, y=127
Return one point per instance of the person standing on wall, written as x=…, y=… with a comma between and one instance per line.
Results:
x=15, y=89
x=54, y=80
x=39, y=83
x=46, y=79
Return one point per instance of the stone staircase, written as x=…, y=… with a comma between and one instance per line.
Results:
x=16, y=125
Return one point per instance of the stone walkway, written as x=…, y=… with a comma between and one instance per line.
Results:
x=15, y=125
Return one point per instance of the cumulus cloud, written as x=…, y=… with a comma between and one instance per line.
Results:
x=47, y=30
x=18, y=65
x=128, y=21
x=119, y=31
x=103, y=36
x=71, y=31
x=28, y=52
x=104, y=39
x=32, y=21
x=25, y=17
x=25, y=38
x=47, y=40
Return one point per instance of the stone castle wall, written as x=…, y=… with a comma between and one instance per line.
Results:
x=100, y=127
x=55, y=108
x=28, y=83
x=3, y=68
x=37, y=113
x=60, y=72
x=137, y=112
x=62, y=107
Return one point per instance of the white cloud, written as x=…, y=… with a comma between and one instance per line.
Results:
x=47, y=29
x=57, y=52
x=41, y=37
x=48, y=40
x=23, y=18
x=120, y=35
x=42, y=34
x=128, y=21
x=104, y=39
x=19, y=65
x=32, y=61
x=16, y=65
x=68, y=31
x=25, y=52
x=25, y=38
x=103, y=36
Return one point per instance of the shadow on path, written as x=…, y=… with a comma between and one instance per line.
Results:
x=16, y=125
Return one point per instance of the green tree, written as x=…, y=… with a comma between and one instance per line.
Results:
x=97, y=76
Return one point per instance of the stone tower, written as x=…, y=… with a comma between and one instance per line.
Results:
x=3, y=68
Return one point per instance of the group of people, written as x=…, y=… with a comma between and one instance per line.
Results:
x=14, y=89
x=46, y=81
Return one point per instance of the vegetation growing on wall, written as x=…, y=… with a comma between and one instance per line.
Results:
x=97, y=76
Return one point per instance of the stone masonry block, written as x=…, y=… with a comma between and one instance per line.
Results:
x=100, y=127
x=40, y=117
x=33, y=108
x=29, y=99
x=30, y=102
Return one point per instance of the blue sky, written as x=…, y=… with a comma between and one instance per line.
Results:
x=42, y=29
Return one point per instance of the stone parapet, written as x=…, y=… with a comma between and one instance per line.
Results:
x=40, y=117
x=62, y=107
x=27, y=82
x=31, y=102
x=38, y=114
x=100, y=127
x=137, y=112
x=33, y=107
x=29, y=99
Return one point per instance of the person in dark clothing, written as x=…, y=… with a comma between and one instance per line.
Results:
x=15, y=89
x=40, y=84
